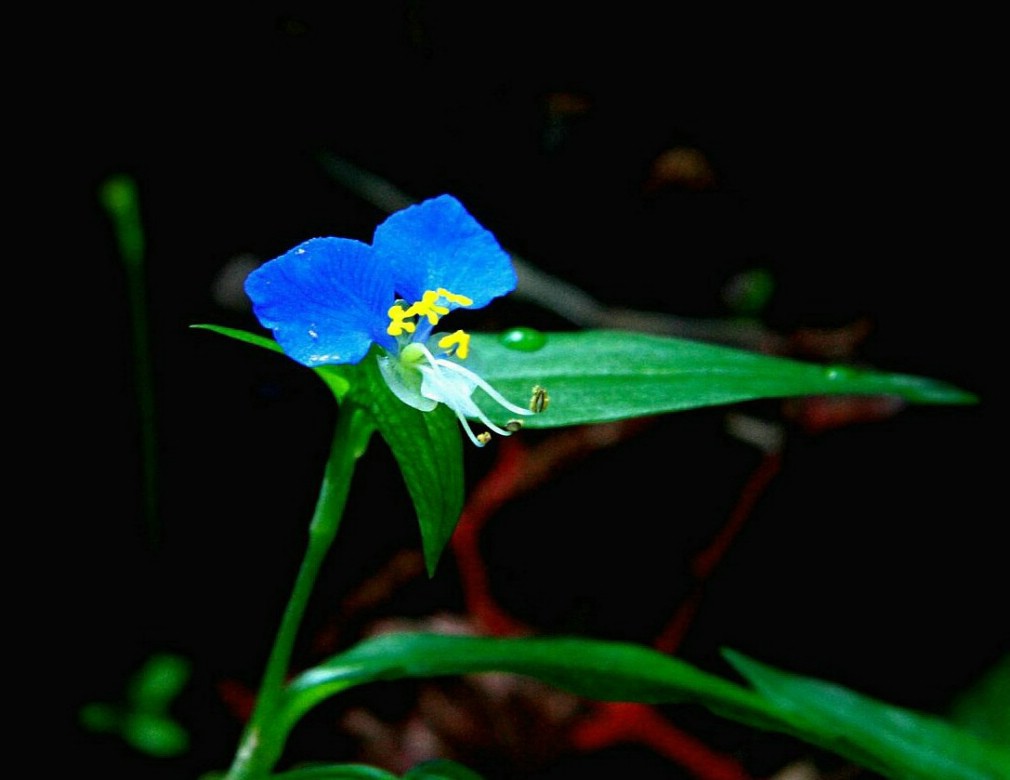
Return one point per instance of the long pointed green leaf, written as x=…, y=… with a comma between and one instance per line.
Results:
x=243, y=335
x=601, y=375
x=892, y=740
x=611, y=671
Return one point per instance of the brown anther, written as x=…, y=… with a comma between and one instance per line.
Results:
x=540, y=399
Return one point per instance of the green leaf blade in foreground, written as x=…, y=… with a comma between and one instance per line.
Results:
x=892, y=740
x=603, y=375
x=603, y=670
x=336, y=772
x=436, y=769
x=896, y=742
x=440, y=769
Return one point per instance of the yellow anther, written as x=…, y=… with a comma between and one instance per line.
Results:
x=429, y=307
x=398, y=320
x=462, y=300
x=483, y=437
x=460, y=340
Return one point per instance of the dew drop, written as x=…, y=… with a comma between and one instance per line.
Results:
x=838, y=373
x=523, y=339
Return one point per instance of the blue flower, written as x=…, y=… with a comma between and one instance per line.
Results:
x=329, y=300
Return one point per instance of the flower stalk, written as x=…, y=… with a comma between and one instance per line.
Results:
x=265, y=734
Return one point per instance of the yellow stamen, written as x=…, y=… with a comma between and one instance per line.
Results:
x=462, y=300
x=460, y=340
x=398, y=320
x=429, y=307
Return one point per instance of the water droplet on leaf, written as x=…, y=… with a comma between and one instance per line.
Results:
x=839, y=373
x=523, y=339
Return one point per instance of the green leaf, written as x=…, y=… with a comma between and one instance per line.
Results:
x=601, y=375
x=337, y=378
x=100, y=717
x=591, y=376
x=984, y=709
x=119, y=197
x=242, y=335
x=894, y=741
x=612, y=671
x=155, y=735
x=428, y=449
x=888, y=739
x=336, y=772
x=441, y=769
x=436, y=769
x=159, y=681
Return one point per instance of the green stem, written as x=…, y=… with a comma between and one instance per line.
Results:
x=264, y=736
x=120, y=199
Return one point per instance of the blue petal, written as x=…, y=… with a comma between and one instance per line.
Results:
x=325, y=300
x=437, y=243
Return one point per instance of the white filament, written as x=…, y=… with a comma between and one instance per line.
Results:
x=455, y=390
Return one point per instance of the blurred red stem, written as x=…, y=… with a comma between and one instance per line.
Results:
x=613, y=722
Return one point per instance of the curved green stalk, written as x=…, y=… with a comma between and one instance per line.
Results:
x=265, y=735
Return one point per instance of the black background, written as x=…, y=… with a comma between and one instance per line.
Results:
x=854, y=160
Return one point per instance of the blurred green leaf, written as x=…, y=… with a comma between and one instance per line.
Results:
x=748, y=292
x=143, y=720
x=984, y=709
x=600, y=375
x=100, y=717
x=336, y=772
x=159, y=681
x=155, y=734
x=894, y=741
x=119, y=197
x=436, y=769
x=441, y=769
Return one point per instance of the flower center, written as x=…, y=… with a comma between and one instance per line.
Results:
x=404, y=320
x=422, y=379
